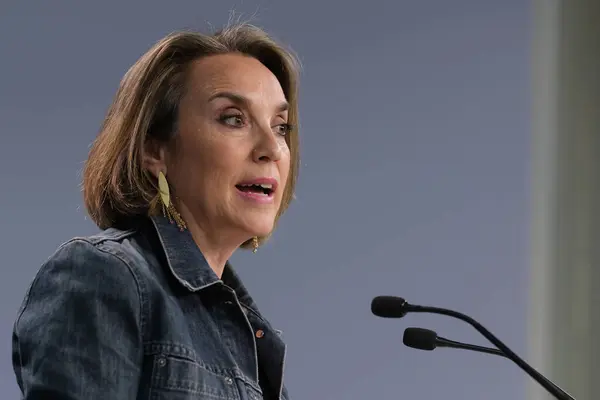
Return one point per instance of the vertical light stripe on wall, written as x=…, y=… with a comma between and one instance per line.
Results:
x=564, y=319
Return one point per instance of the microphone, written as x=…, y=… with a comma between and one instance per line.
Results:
x=397, y=307
x=425, y=339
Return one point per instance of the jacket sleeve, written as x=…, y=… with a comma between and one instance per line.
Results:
x=78, y=334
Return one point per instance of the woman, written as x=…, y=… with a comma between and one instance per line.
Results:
x=197, y=157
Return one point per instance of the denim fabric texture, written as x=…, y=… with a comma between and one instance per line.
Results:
x=139, y=314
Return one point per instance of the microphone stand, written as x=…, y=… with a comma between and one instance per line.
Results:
x=451, y=344
x=543, y=381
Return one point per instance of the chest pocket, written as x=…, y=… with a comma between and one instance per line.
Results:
x=175, y=375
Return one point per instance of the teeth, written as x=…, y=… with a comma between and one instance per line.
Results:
x=262, y=185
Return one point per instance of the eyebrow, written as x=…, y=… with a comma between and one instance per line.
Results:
x=243, y=101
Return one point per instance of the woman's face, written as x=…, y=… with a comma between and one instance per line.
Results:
x=229, y=162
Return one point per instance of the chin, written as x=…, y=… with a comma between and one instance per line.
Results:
x=260, y=227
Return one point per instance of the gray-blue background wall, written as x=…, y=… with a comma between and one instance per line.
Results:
x=415, y=140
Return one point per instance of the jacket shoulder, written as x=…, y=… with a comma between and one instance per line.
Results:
x=100, y=266
x=92, y=257
x=111, y=255
x=122, y=247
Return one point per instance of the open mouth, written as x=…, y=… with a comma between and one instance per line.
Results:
x=264, y=189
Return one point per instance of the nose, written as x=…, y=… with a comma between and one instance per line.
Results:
x=268, y=148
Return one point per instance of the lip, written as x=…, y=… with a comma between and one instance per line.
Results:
x=259, y=181
x=256, y=197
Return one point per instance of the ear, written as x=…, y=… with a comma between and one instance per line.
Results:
x=154, y=158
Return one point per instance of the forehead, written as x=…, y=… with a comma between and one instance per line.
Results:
x=235, y=73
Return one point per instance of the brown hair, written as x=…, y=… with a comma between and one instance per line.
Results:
x=116, y=187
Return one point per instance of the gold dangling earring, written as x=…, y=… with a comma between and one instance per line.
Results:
x=254, y=244
x=168, y=209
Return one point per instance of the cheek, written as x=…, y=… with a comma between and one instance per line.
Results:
x=196, y=165
x=206, y=152
x=284, y=165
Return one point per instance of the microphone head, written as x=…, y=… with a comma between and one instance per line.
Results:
x=419, y=338
x=388, y=306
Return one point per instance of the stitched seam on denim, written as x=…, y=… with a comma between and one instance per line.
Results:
x=161, y=347
x=255, y=312
x=100, y=238
x=168, y=349
x=140, y=288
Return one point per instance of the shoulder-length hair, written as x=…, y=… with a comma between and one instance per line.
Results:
x=116, y=186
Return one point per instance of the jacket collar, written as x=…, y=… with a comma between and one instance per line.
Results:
x=188, y=265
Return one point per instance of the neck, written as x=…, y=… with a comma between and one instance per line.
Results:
x=216, y=248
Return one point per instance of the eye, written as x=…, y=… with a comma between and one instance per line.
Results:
x=283, y=129
x=234, y=120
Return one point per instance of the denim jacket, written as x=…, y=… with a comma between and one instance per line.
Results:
x=139, y=314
